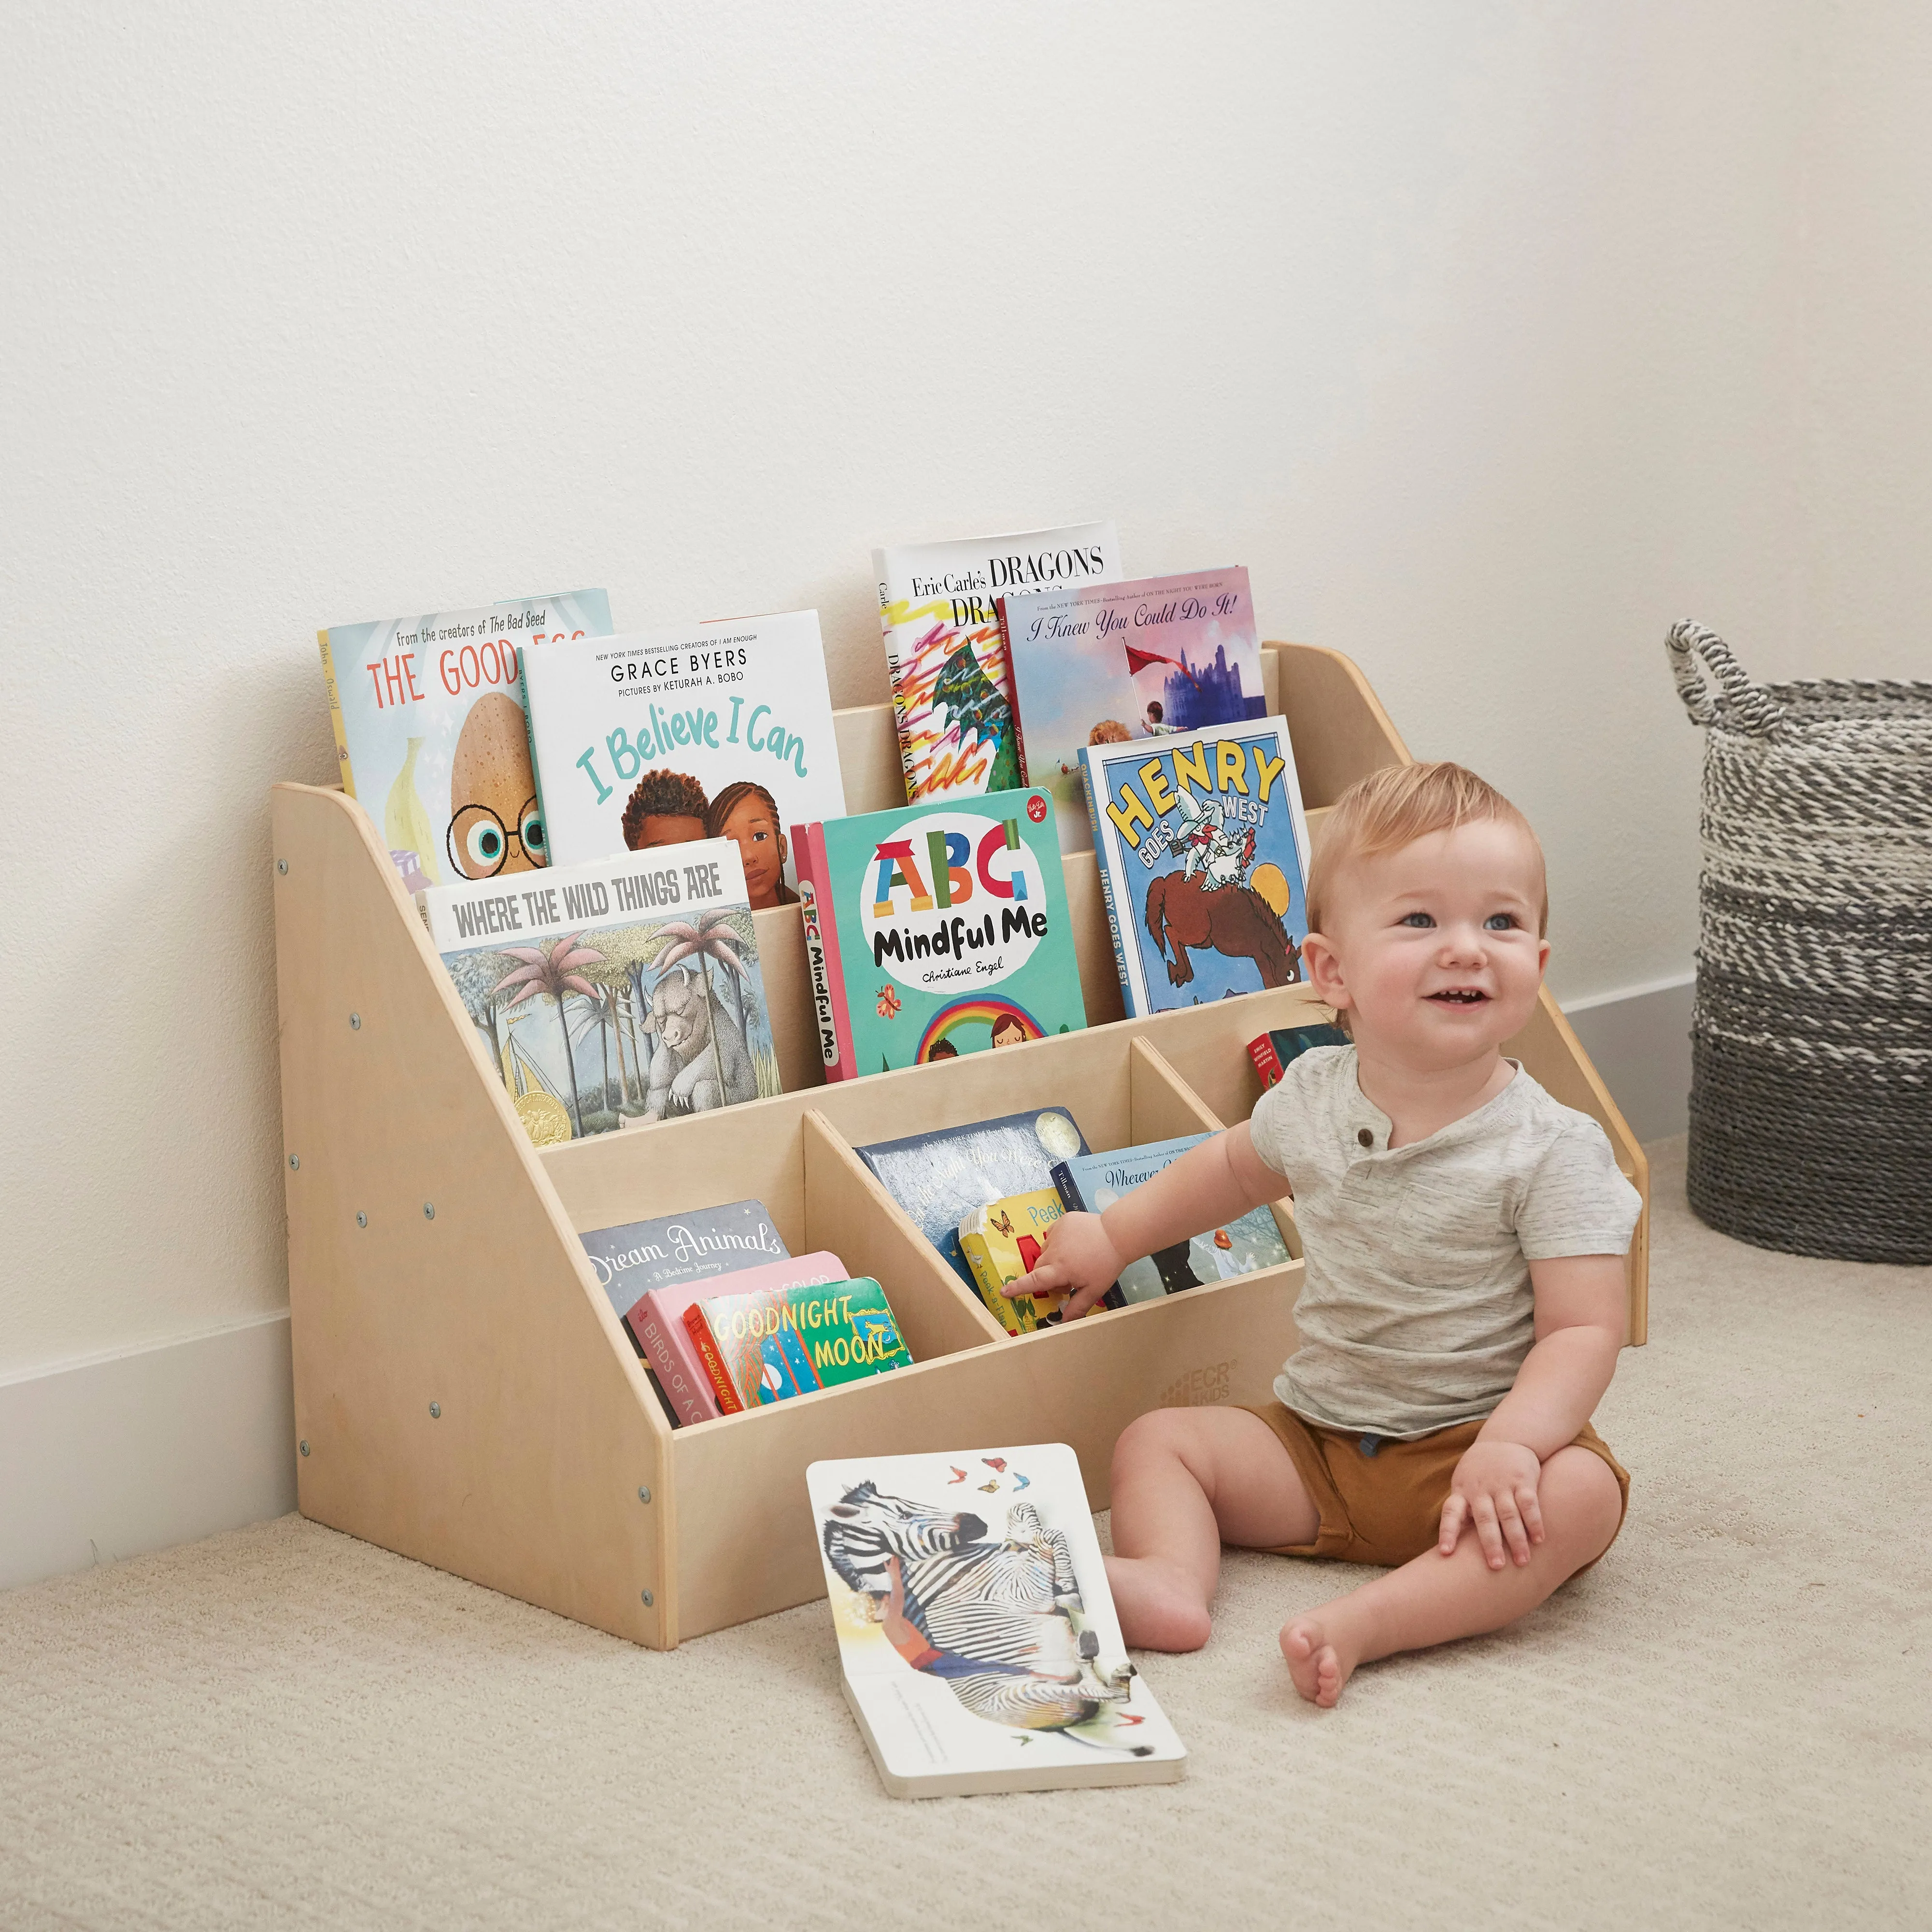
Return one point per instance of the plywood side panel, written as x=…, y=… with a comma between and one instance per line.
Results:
x=461, y=1287
x=1339, y=728
x=780, y=932
x=868, y=759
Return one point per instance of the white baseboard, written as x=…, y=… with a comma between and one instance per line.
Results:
x=1640, y=1038
x=112, y=1458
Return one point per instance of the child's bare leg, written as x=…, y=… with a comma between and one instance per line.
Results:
x=1436, y=1598
x=1185, y=1481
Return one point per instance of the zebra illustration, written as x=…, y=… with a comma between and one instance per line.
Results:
x=995, y=1621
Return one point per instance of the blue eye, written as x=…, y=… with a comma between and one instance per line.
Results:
x=1500, y=921
x=1416, y=919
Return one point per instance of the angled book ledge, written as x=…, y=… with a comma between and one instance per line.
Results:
x=464, y=1394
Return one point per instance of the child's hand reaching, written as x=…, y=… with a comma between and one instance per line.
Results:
x=1493, y=1491
x=1078, y=1260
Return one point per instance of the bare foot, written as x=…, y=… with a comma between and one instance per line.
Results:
x=1160, y=1604
x=1322, y=1652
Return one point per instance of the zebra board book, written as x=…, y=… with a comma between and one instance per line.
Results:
x=976, y=1635
x=1121, y=663
x=1202, y=849
x=1243, y=1247
x=935, y=930
x=704, y=730
x=428, y=713
x=625, y=991
x=952, y=692
x=774, y=1343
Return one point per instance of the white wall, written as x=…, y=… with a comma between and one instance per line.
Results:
x=1491, y=336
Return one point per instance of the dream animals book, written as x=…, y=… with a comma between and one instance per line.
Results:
x=1202, y=849
x=428, y=713
x=628, y=990
x=979, y=1647
x=952, y=693
x=683, y=732
x=1119, y=663
x=936, y=929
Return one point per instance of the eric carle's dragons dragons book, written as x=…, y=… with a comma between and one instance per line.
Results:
x=627, y=989
x=702, y=731
x=1101, y=664
x=936, y=929
x=977, y=1640
x=952, y=693
x=428, y=713
x=1203, y=851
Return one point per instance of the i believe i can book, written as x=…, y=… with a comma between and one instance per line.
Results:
x=1203, y=854
x=613, y=994
x=952, y=689
x=936, y=929
x=706, y=731
x=428, y=713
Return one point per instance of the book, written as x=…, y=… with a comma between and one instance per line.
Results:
x=680, y=733
x=768, y=1345
x=428, y=713
x=935, y=930
x=1119, y=663
x=1244, y=1246
x=952, y=694
x=629, y=1259
x=656, y=1322
x=978, y=1645
x=939, y=1178
x=620, y=992
x=1001, y=1241
x=1202, y=850
x=1273, y=1051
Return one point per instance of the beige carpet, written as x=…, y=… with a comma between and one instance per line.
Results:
x=1728, y=1723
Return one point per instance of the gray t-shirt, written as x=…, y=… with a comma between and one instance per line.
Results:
x=1416, y=1311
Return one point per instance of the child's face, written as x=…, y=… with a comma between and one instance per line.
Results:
x=762, y=847
x=663, y=829
x=1433, y=950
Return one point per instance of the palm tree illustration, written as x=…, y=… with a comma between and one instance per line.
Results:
x=714, y=935
x=554, y=971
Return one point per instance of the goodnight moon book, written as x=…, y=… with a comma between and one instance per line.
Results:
x=428, y=713
x=977, y=1637
x=936, y=929
x=1203, y=854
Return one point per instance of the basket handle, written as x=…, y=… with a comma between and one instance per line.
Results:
x=1736, y=703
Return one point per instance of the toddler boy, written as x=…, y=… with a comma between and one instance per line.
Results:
x=1463, y=1298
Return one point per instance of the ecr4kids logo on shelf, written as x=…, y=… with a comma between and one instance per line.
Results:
x=953, y=898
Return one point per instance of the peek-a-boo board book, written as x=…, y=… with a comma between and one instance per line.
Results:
x=1101, y=663
x=938, y=609
x=428, y=713
x=1203, y=854
x=978, y=1644
x=625, y=991
x=936, y=929
x=706, y=731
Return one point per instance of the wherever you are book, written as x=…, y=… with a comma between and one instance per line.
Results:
x=625, y=991
x=428, y=713
x=678, y=732
x=952, y=694
x=936, y=929
x=1101, y=663
x=1203, y=854
x=978, y=1644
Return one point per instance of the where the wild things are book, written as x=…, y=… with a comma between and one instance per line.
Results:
x=613, y=994
x=1203, y=854
x=952, y=688
x=977, y=1640
x=428, y=713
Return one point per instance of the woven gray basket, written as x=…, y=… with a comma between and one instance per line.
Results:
x=1811, y=1033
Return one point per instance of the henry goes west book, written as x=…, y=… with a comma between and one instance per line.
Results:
x=936, y=929
x=428, y=713
x=1203, y=852
x=703, y=731
x=952, y=689
x=625, y=990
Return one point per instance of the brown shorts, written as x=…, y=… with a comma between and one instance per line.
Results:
x=1386, y=1508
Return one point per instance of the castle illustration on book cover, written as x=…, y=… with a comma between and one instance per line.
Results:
x=1203, y=854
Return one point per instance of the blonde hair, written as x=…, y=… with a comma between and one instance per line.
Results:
x=1394, y=807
